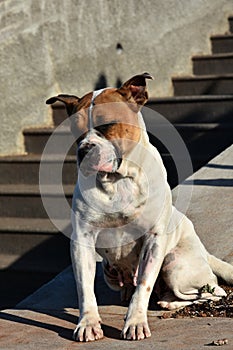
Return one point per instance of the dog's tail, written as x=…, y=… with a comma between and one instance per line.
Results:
x=221, y=269
x=197, y=294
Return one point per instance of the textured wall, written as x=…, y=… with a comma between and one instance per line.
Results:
x=48, y=47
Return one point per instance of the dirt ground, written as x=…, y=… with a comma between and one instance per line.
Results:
x=220, y=308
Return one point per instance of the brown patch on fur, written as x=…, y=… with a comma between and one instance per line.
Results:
x=114, y=113
x=112, y=116
x=85, y=101
x=136, y=88
x=120, y=121
x=148, y=289
x=71, y=102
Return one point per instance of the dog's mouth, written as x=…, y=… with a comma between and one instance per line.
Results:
x=108, y=166
x=94, y=158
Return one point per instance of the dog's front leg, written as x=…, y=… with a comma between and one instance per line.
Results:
x=84, y=266
x=152, y=255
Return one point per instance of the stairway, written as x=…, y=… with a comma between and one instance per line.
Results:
x=202, y=106
x=32, y=251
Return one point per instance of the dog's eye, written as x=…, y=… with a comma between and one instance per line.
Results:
x=102, y=128
x=105, y=127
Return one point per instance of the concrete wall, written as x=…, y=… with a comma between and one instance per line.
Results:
x=71, y=46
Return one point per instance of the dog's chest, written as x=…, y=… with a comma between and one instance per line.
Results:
x=125, y=194
x=112, y=202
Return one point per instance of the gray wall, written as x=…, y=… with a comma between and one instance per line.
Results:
x=54, y=46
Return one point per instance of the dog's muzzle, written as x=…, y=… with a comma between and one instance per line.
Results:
x=97, y=154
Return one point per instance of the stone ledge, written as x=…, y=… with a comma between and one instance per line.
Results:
x=31, y=330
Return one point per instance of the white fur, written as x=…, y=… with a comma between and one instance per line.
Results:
x=138, y=239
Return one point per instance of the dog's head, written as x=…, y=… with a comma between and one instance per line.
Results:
x=106, y=122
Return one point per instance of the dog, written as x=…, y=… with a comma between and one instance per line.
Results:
x=122, y=208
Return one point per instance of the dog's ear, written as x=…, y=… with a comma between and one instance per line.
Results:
x=135, y=88
x=71, y=102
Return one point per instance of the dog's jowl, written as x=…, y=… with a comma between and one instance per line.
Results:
x=122, y=208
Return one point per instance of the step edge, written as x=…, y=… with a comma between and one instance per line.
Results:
x=204, y=126
x=16, y=225
x=34, y=190
x=36, y=158
x=45, y=131
x=190, y=98
x=221, y=36
x=212, y=56
x=203, y=77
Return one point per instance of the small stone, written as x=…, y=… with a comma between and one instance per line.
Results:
x=220, y=342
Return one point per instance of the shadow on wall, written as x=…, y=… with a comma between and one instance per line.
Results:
x=102, y=82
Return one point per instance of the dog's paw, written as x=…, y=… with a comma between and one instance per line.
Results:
x=164, y=304
x=218, y=291
x=135, y=330
x=173, y=305
x=88, y=330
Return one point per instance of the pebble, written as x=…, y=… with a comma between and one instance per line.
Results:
x=220, y=342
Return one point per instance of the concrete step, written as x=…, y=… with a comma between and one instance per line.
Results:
x=192, y=116
x=19, y=181
x=48, y=256
x=178, y=108
x=16, y=225
x=22, y=172
x=203, y=142
x=222, y=43
x=35, y=140
x=53, y=329
x=32, y=252
x=194, y=135
x=188, y=109
x=204, y=123
x=25, y=169
x=22, y=273
x=213, y=64
x=193, y=109
x=25, y=201
x=201, y=138
x=58, y=112
x=190, y=133
x=39, y=227
x=203, y=85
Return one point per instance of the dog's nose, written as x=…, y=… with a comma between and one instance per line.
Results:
x=83, y=150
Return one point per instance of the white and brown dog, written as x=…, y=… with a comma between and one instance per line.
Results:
x=122, y=207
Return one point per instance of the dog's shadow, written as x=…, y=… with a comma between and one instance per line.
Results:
x=58, y=300
x=63, y=332
x=67, y=333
